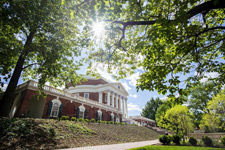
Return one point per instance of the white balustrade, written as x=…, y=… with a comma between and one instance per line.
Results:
x=76, y=98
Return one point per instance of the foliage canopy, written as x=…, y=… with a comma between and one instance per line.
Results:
x=163, y=40
x=151, y=107
x=200, y=95
x=39, y=40
x=215, y=119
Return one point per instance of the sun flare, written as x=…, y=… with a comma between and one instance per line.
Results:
x=99, y=29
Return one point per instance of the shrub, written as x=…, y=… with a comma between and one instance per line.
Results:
x=103, y=122
x=80, y=128
x=176, y=139
x=223, y=140
x=81, y=119
x=122, y=123
x=74, y=119
x=207, y=141
x=93, y=120
x=52, y=132
x=87, y=120
x=192, y=141
x=65, y=118
x=110, y=122
x=165, y=139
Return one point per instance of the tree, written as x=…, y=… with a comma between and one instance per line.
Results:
x=167, y=104
x=151, y=107
x=164, y=39
x=200, y=95
x=215, y=119
x=161, y=111
x=177, y=119
x=40, y=40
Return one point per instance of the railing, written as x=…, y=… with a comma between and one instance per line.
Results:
x=72, y=97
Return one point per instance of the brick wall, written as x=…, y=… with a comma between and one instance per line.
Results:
x=211, y=135
x=70, y=108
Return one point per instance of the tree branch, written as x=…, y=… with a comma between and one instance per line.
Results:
x=30, y=65
x=202, y=8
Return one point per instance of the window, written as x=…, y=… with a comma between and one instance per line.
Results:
x=117, y=119
x=99, y=115
x=86, y=95
x=55, y=110
x=112, y=117
x=82, y=111
x=118, y=87
x=106, y=97
x=81, y=115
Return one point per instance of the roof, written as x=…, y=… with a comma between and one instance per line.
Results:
x=106, y=80
x=142, y=118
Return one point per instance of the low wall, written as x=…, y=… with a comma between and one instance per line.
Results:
x=211, y=135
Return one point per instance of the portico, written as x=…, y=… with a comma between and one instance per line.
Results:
x=108, y=93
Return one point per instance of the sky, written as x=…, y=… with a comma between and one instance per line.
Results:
x=136, y=99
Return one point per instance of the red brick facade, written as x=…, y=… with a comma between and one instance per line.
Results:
x=69, y=108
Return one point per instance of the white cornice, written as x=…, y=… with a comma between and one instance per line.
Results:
x=98, y=88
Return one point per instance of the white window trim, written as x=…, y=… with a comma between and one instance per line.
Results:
x=106, y=98
x=99, y=114
x=112, y=117
x=53, y=102
x=87, y=94
x=82, y=109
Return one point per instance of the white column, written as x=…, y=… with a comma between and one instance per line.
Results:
x=108, y=97
x=126, y=108
x=122, y=105
x=120, y=102
x=113, y=99
x=100, y=97
x=117, y=99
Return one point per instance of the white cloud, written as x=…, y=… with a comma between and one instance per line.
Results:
x=102, y=70
x=133, y=78
x=209, y=75
x=133, y=95
x=126, y=86
x=164, y=98
x=132, y=106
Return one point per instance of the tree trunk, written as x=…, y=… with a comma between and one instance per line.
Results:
x=8, y=97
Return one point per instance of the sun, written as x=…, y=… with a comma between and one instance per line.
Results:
x=99, y=29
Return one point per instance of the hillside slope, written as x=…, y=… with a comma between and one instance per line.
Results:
x=52, y=134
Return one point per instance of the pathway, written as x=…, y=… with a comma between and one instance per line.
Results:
x=122, y=146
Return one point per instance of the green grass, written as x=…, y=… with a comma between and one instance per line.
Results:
x=175, y=148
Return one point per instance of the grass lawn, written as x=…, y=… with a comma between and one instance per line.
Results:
x=175, y=148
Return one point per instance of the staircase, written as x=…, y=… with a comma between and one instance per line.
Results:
x=159, y=130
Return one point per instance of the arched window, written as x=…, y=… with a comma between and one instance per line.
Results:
x=117, y=118
x=112, y=116
x=81, y=111
x=55, y=108
x=99, y=115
